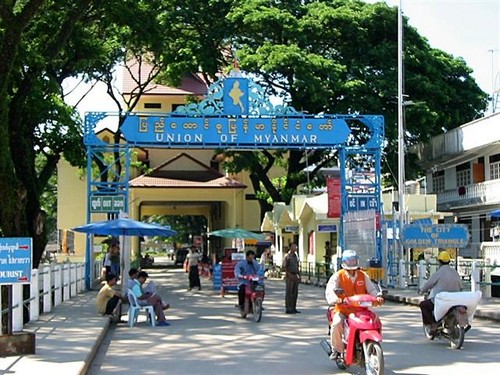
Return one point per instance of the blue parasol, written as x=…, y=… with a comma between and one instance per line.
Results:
x=237, y=233
x=125, y=227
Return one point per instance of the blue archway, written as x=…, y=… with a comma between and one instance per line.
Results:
x=238, y=114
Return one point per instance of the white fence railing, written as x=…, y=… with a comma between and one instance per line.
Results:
x=50, y=286
x=475, y=271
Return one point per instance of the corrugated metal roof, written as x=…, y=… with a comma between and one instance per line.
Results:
x=160, y=182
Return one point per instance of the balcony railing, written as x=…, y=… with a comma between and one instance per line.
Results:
x=471, y=195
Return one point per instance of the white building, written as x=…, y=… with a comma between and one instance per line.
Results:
x=463, y=170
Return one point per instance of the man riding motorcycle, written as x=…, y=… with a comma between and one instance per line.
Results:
x=352, y=281
x=247, y=266
x=445, y=279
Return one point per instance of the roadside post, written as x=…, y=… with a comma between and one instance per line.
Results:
x=16, y=259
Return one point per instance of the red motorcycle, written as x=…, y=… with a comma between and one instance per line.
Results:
x=254, y=296
x=362, y=336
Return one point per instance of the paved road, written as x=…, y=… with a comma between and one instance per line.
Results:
x=208, y=337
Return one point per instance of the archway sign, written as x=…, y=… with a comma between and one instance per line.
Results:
x=237, y=114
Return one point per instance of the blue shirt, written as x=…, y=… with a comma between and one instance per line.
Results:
x=243, y=268
x=137, y=288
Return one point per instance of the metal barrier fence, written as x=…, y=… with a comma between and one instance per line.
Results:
x=316, y=273
x=475, y=273
x=49, y=287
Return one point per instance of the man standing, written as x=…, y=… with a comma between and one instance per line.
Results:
x=112, y=259
x=192, y=260
x=328, y=258
x=292, y=280
x=108, y=300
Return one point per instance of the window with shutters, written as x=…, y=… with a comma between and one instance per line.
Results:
x=463, y=174
x=438, y=182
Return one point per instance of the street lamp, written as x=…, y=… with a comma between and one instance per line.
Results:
x=401, y=143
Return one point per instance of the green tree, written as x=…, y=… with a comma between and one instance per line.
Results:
x=41, y=44
x=338, y=56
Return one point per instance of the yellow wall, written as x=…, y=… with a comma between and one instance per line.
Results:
x=72, y=201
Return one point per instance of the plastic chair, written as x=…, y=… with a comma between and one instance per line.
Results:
x=134, y=310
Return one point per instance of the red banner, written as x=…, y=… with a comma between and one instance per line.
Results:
x=333, y=191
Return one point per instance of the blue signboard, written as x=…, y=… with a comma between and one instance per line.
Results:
x=361, y=203
x=436, y=235
x=15, y=260
x=219, y=131
x=327, y=227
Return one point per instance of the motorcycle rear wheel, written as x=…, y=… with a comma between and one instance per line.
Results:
x=456, y=336
x=257, y=309
x=374, y=359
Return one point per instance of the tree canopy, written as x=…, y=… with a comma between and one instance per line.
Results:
x=340, y=57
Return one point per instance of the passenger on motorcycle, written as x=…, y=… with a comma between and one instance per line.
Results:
x=445, y=279
x=247, y=266
x=352, y=281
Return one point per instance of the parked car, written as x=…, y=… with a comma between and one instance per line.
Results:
x=180, y=256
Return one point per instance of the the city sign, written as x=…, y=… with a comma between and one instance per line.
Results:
x=16, y=260
x=435, y=235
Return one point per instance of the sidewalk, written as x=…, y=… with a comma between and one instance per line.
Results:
x=68, y=338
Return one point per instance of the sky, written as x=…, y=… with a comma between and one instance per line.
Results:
x=466, y=28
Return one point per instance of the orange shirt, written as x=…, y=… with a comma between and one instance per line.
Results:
x=350, y=288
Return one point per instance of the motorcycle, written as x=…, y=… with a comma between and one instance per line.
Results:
x=453, y=312
x=254, y=297
x=362, y=336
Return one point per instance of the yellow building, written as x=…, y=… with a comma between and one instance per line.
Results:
x=179, y=181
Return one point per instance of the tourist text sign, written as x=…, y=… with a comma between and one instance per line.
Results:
x=15, y=260
x=436, y=235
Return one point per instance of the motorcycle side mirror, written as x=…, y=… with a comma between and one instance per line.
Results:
x=384, y=292
x=339, y=292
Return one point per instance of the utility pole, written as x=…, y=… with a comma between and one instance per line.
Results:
x=401, y=147
x=495, y=82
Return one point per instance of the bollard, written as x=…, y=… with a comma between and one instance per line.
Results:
x=35, y=296
x=78, y=278
x=422, y=269
x=402, y=272
x=17, y=313
x=47, y=293
x=474, y=278
x=57, y=285
x=487, y=278
x=66, y=282
x=73, y=280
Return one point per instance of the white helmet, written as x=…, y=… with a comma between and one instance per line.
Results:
x=350, y=260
